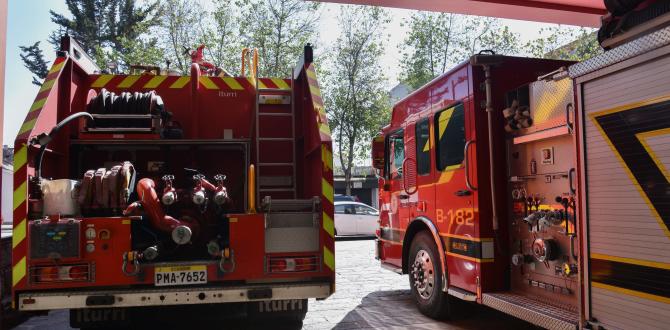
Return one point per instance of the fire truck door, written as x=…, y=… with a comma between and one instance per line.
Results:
x=454, y=212
x=390, y=226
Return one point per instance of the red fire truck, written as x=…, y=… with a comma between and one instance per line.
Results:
x=536, y=187
x=153, y=190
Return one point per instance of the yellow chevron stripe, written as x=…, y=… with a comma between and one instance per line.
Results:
x=19, y=233
x=47, y=85
x=155, y=82
x=27, y=126
x=102, y=80
x=327, y=190
x=328, y=225
x=56, y=67
x=20, y=157
x=208, y=83
x=324, y=129
x=38, y=104
x=232, y=83
x=328, y=258
x=20, y=194
x=128, y=81
x=181, y=82
x=261, y=84
x=311, y=73
x=315, y=91
x=281, y=84
x=326, y=158
x=19, y=271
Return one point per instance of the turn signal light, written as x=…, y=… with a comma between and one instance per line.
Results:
x=71, y=273
x=293, y=264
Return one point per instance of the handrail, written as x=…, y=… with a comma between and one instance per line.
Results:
x=467, y=165
x=247, y=61
x=244, y=58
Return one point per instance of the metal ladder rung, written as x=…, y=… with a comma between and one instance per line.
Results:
x=275, y=164
x=275, y=90
x=276, y=114
x=275, y=139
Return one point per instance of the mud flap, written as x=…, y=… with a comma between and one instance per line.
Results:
x=293, y=309
x=99, y=318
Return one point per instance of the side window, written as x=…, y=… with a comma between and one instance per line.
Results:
x=365, y=210
x=450, y=137
x=339, y=209
x=396, y=152
x=422, y=147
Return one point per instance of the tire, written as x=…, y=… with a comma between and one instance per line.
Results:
x=423, y=261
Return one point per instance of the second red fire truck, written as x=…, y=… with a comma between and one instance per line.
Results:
x=539, y=188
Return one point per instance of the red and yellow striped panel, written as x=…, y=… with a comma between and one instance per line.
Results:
x=317, y=103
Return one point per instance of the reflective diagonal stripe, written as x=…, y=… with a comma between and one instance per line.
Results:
x=328, y=258
x=20, y=194
x=326, y=158
x=38, y=104
x=27, y=126
x=155, y=81
x=311, y=73
x=128, y=81
x=232, y=83
x=47, y=85
x=19, y=233
x=20, y=157
x=208, y=83
x=181, y=82
x=102, y=80
x=261, y=84
x=327, y=190
x=57, y=67
x=19, y=271
x=328, y=224
x=281, y=84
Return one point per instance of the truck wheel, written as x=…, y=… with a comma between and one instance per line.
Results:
x=425, y=278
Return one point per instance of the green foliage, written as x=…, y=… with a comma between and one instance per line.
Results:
x=565, y=44
x=33, y=59
x=221, y=36
x=354, y=86
x=279, y=29
x=438, y=41
x=179, y=32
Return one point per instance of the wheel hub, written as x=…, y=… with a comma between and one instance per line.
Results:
x=423, y=274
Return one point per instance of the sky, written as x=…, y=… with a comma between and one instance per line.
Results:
x=29, y=21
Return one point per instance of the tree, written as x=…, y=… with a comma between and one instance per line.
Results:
x=355, y=93
x=436, y=42
x=279, y=29
x=33, y=59
x=179, y=31
x=221, y=36
x=106, y=29
x=565, y=43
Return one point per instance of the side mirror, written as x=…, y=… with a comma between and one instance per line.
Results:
x=378, y=152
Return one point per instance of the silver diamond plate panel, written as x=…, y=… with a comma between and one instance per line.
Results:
x=530, y=310
x=548, y=102
x=631, y=49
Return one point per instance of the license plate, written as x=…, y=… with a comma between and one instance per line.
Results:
x=180, y=275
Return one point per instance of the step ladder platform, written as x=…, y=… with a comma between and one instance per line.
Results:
x=532, y=310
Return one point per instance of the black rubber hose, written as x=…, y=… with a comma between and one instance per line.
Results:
x=43, y=146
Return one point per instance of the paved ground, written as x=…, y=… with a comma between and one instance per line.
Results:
x=367, y=297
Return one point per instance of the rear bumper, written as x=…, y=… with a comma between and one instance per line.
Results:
x=35, y=301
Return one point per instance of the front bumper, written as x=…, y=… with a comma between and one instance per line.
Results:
x=36, y=301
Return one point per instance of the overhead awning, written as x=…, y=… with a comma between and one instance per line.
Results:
x=572, y=12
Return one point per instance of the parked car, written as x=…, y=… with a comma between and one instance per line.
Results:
x=346, y=198
x=355, y=219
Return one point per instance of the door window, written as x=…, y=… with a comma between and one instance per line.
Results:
x=365, y=210
x=344, y=209
x=450, y=137
x=422, y=147
x=397, y=155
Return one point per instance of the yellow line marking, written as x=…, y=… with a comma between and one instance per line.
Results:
x=316, y=91
x=467, y=238
x=630, y=292
x=281, y=84
x=469, y=258
x=102, y=80
x=47, y=85
x=19, y=271
x=328, y=258
x=327, y=190
x=632, y=178
x=38, y=104
x=642, y=137
x=155, y=82
x=443, y=121
x=181, y=82
x=27, y=126
x=326, y=158
x=20, y=194
x=20, y=157
x=56, y=67
x=129, y=81
x=208, y=83
x=324, y=129
x=639, y=262
x=232, y=83
x=310, y=73
x=19, y=233
x=328, y=225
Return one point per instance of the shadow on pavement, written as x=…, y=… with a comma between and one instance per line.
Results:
x=396, y=310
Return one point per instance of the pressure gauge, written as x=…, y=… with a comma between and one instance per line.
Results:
x=90, y=233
